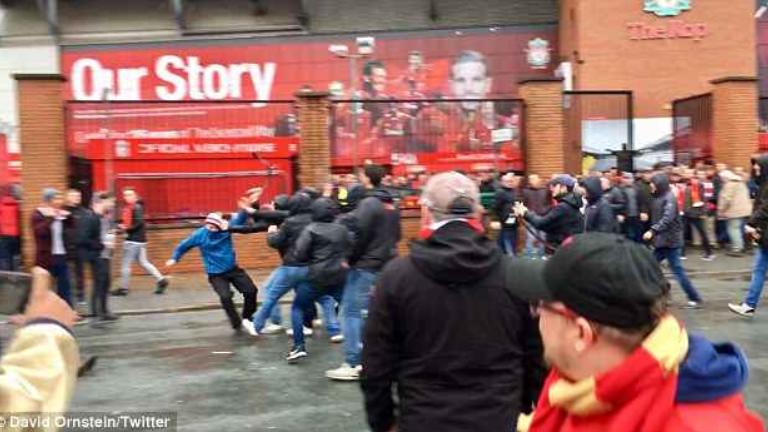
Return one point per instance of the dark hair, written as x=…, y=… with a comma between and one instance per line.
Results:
x=469, y=56
x=371, y=65
x=375, y=173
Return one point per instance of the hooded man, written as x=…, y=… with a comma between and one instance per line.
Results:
x=443, y=326
x=620, y=361
x=562, y=220
x=756, y=229
x=598, y=214
x=377, y=220
x=291, y=272
x=324, y=245
x=667, y=234
x=218, y=254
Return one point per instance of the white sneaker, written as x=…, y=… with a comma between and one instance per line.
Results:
x=307, y=332
x=249, y=328
x=271, y=328
x=317, y=323
x=345, y=373
x=692, y=305
x=742, y=309
x=296, y=354
x=339, y=338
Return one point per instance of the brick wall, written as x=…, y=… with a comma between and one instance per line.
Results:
x=43, y=149
x=734, y=112
x=597, y=41
x=315, y=151
x=545, y=140
x=252, y=249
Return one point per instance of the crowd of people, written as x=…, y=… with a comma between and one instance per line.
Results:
x=471, y=333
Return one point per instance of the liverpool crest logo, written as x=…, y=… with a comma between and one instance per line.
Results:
x=538, y=53
x=667, y=8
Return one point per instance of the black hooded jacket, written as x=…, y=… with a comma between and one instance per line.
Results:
x=561, y=221
x=464, y=351
x=666, y=223
x=598, y=215
x=377, y=220
x=284, y=240
x=324, y=245
x=759, y=219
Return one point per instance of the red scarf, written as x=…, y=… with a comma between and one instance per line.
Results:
x=426, y=231
x=636, y=396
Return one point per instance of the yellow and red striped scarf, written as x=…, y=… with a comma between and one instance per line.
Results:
x=636, y=396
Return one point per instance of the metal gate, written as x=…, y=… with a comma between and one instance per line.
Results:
x=692, y=129
x=599, y=129
x=184, y=158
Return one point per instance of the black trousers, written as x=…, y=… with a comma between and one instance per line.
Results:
x=101, y=280
x=238, y=278
x=694, y=223
x=77, y=271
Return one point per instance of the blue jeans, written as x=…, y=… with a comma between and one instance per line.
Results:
x=282, y=280
x=758, y=277
x=306, y=296
x=672, y=255
x=534, y=248
x=60, y=273
x=508, y=241
x=354, y=305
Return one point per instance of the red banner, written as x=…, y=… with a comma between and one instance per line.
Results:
x=424, y=91
x=193, y=148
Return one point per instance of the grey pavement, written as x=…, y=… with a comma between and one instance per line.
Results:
x=192, y=364
x=190, y=291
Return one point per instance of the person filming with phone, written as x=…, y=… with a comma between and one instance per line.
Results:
x=39, y=369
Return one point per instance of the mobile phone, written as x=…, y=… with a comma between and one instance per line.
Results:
x=14, y=292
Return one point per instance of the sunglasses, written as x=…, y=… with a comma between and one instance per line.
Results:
x=549, y=307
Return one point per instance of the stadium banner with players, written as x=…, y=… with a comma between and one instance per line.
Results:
x=173, y=89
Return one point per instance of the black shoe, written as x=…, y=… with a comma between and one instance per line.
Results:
x=109, y=317
x=87, y=366
x=162, y=284
x=120, y=292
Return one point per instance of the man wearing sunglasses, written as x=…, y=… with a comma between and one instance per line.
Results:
x=620, y=361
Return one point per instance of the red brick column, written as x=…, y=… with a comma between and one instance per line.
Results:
x=315, y=150
x=545, y=151
x=734, y=118
x=43, y=144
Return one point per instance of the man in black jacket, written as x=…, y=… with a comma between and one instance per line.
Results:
x=667, y=234
x=74, y=205
x=599, y=214
x=463, y=350
x=377, y=234
x=564, y=219
x=292, y=271
x=504, y=202
x=93, y=249
x=757, y=228
x=324, y=245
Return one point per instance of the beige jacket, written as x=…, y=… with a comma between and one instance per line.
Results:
x=38, y=372
x=734, y=199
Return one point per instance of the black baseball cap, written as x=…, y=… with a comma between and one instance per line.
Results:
x=604, y=278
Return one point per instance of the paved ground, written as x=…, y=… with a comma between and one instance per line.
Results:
x=191, y=363
x=191, y=290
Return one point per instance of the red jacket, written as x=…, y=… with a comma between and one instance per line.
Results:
x=9, y=217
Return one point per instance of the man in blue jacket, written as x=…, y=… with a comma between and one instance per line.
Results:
x=215, y=244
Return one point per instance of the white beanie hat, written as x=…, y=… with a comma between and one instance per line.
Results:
x=216, y=220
